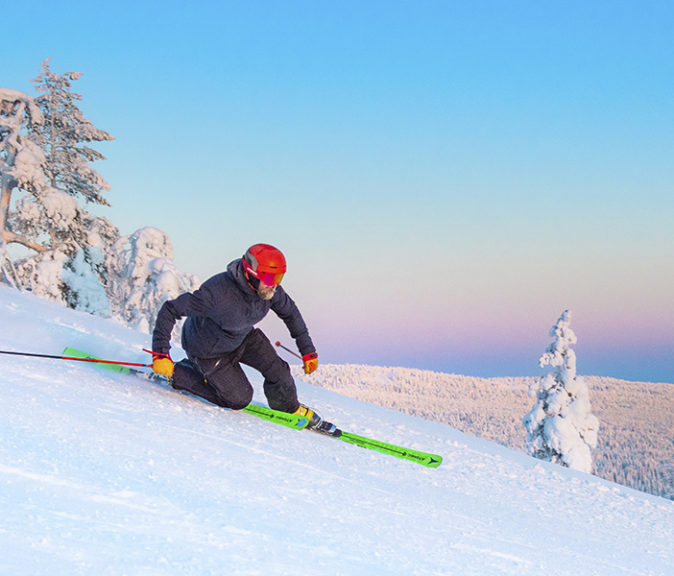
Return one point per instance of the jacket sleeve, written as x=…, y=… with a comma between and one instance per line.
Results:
x=286, y=309
x=187, y=304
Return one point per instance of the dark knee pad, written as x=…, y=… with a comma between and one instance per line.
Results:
x=237, y=400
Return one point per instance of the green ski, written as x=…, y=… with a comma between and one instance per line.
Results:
x=423, y=458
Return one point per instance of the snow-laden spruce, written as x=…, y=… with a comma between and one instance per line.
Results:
x=59, y=249
x=561, y=427
x=45, y=168
x=64, y=135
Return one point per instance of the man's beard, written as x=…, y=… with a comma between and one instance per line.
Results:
x=266, y=292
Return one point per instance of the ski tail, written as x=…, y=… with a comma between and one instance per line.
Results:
x=74, y=353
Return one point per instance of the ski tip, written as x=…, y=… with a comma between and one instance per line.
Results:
x=434, y=461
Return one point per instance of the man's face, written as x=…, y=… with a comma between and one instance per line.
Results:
x=265, y=292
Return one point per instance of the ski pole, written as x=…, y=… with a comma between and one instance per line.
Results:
x=54, y=357
x=288, y=350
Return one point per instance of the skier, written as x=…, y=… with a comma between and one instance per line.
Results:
x=219, y=335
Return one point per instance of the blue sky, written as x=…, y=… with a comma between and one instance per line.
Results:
x=445, y=177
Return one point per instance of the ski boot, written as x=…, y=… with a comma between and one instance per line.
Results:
x=316, y=423
x=313, y=418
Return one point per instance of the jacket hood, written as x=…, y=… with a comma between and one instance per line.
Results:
x=235, y=268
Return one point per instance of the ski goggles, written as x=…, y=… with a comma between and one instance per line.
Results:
x=269, y=278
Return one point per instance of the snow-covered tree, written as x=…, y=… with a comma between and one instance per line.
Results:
x=87, y=272
x=63, y=137
x=21, y=166
x=46, y=166
x=561, y=427
x=143, y=277
x=66, y=253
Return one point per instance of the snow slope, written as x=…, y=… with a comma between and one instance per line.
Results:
x=107, y=474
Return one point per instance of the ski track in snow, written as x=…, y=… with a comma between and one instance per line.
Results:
x=107, y=474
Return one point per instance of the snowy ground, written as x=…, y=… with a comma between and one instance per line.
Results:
x=103, y=474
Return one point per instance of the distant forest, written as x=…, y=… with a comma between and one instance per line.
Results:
x=636, y=445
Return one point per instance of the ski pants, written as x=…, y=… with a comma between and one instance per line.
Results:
x=222, y=381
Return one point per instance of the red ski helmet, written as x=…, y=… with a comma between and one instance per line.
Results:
x=266, y=263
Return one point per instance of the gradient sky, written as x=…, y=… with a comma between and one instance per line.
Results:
x=445, y=178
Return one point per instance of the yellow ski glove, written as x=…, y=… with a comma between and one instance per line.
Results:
x=163, y=366
x=310, y=362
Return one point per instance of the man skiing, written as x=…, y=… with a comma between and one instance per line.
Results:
x=219, y=335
